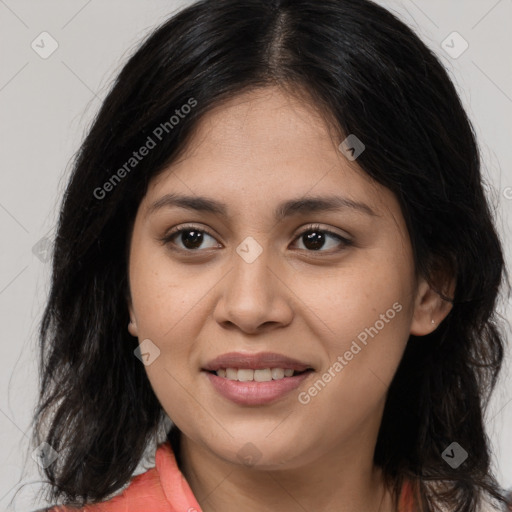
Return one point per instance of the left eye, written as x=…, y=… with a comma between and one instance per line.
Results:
x=313, y=238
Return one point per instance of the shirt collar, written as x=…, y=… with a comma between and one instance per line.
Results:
x=174, y=484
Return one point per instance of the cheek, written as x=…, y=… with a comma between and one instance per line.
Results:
x=171, y=307
x=162, y=292
x=352, y=297
x=167, y=305
x=362, y=353
x=364, y=315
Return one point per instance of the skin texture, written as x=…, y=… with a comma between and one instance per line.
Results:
x=253, y=152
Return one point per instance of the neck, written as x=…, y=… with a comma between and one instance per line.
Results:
x=330, y=483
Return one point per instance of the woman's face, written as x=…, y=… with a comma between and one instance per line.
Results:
x=253, y=283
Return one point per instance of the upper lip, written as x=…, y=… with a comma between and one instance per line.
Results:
x=255, y=361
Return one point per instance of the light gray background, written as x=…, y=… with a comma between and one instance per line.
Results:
x=47, y=105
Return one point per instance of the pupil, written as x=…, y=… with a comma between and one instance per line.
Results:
x=189, y=241
x=315, y=240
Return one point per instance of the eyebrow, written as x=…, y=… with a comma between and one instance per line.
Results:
x=288, y=208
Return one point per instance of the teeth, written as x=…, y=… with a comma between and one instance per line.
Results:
x=277, y=373
x=245, y=375
x=263, y=375
x=231, y=374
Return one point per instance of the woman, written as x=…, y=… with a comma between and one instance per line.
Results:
x=275, y=235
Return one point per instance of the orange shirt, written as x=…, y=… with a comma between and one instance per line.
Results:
x=165, y=489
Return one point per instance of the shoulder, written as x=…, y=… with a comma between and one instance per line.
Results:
x=162, y=488
x=143, y=491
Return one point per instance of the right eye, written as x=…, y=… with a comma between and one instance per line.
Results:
x=190, y=236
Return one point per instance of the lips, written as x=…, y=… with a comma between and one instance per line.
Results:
x=255, y=393
x=258, y=361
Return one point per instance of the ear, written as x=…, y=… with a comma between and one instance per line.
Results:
x=132, y=326
x=430, y=308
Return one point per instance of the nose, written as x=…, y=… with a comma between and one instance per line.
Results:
x=254, y=296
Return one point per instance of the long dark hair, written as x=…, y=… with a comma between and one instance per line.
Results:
x=371, y=76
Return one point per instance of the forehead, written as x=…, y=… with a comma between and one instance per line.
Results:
x=264, y=147
x=266, y=119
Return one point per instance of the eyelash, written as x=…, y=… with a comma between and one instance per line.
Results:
x=167, y=239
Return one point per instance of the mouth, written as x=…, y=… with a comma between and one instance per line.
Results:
x=255, y=379
x=252, y=392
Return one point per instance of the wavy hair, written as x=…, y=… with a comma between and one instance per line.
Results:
x=369, y=75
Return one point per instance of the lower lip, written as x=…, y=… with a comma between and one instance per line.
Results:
x=255, y=393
